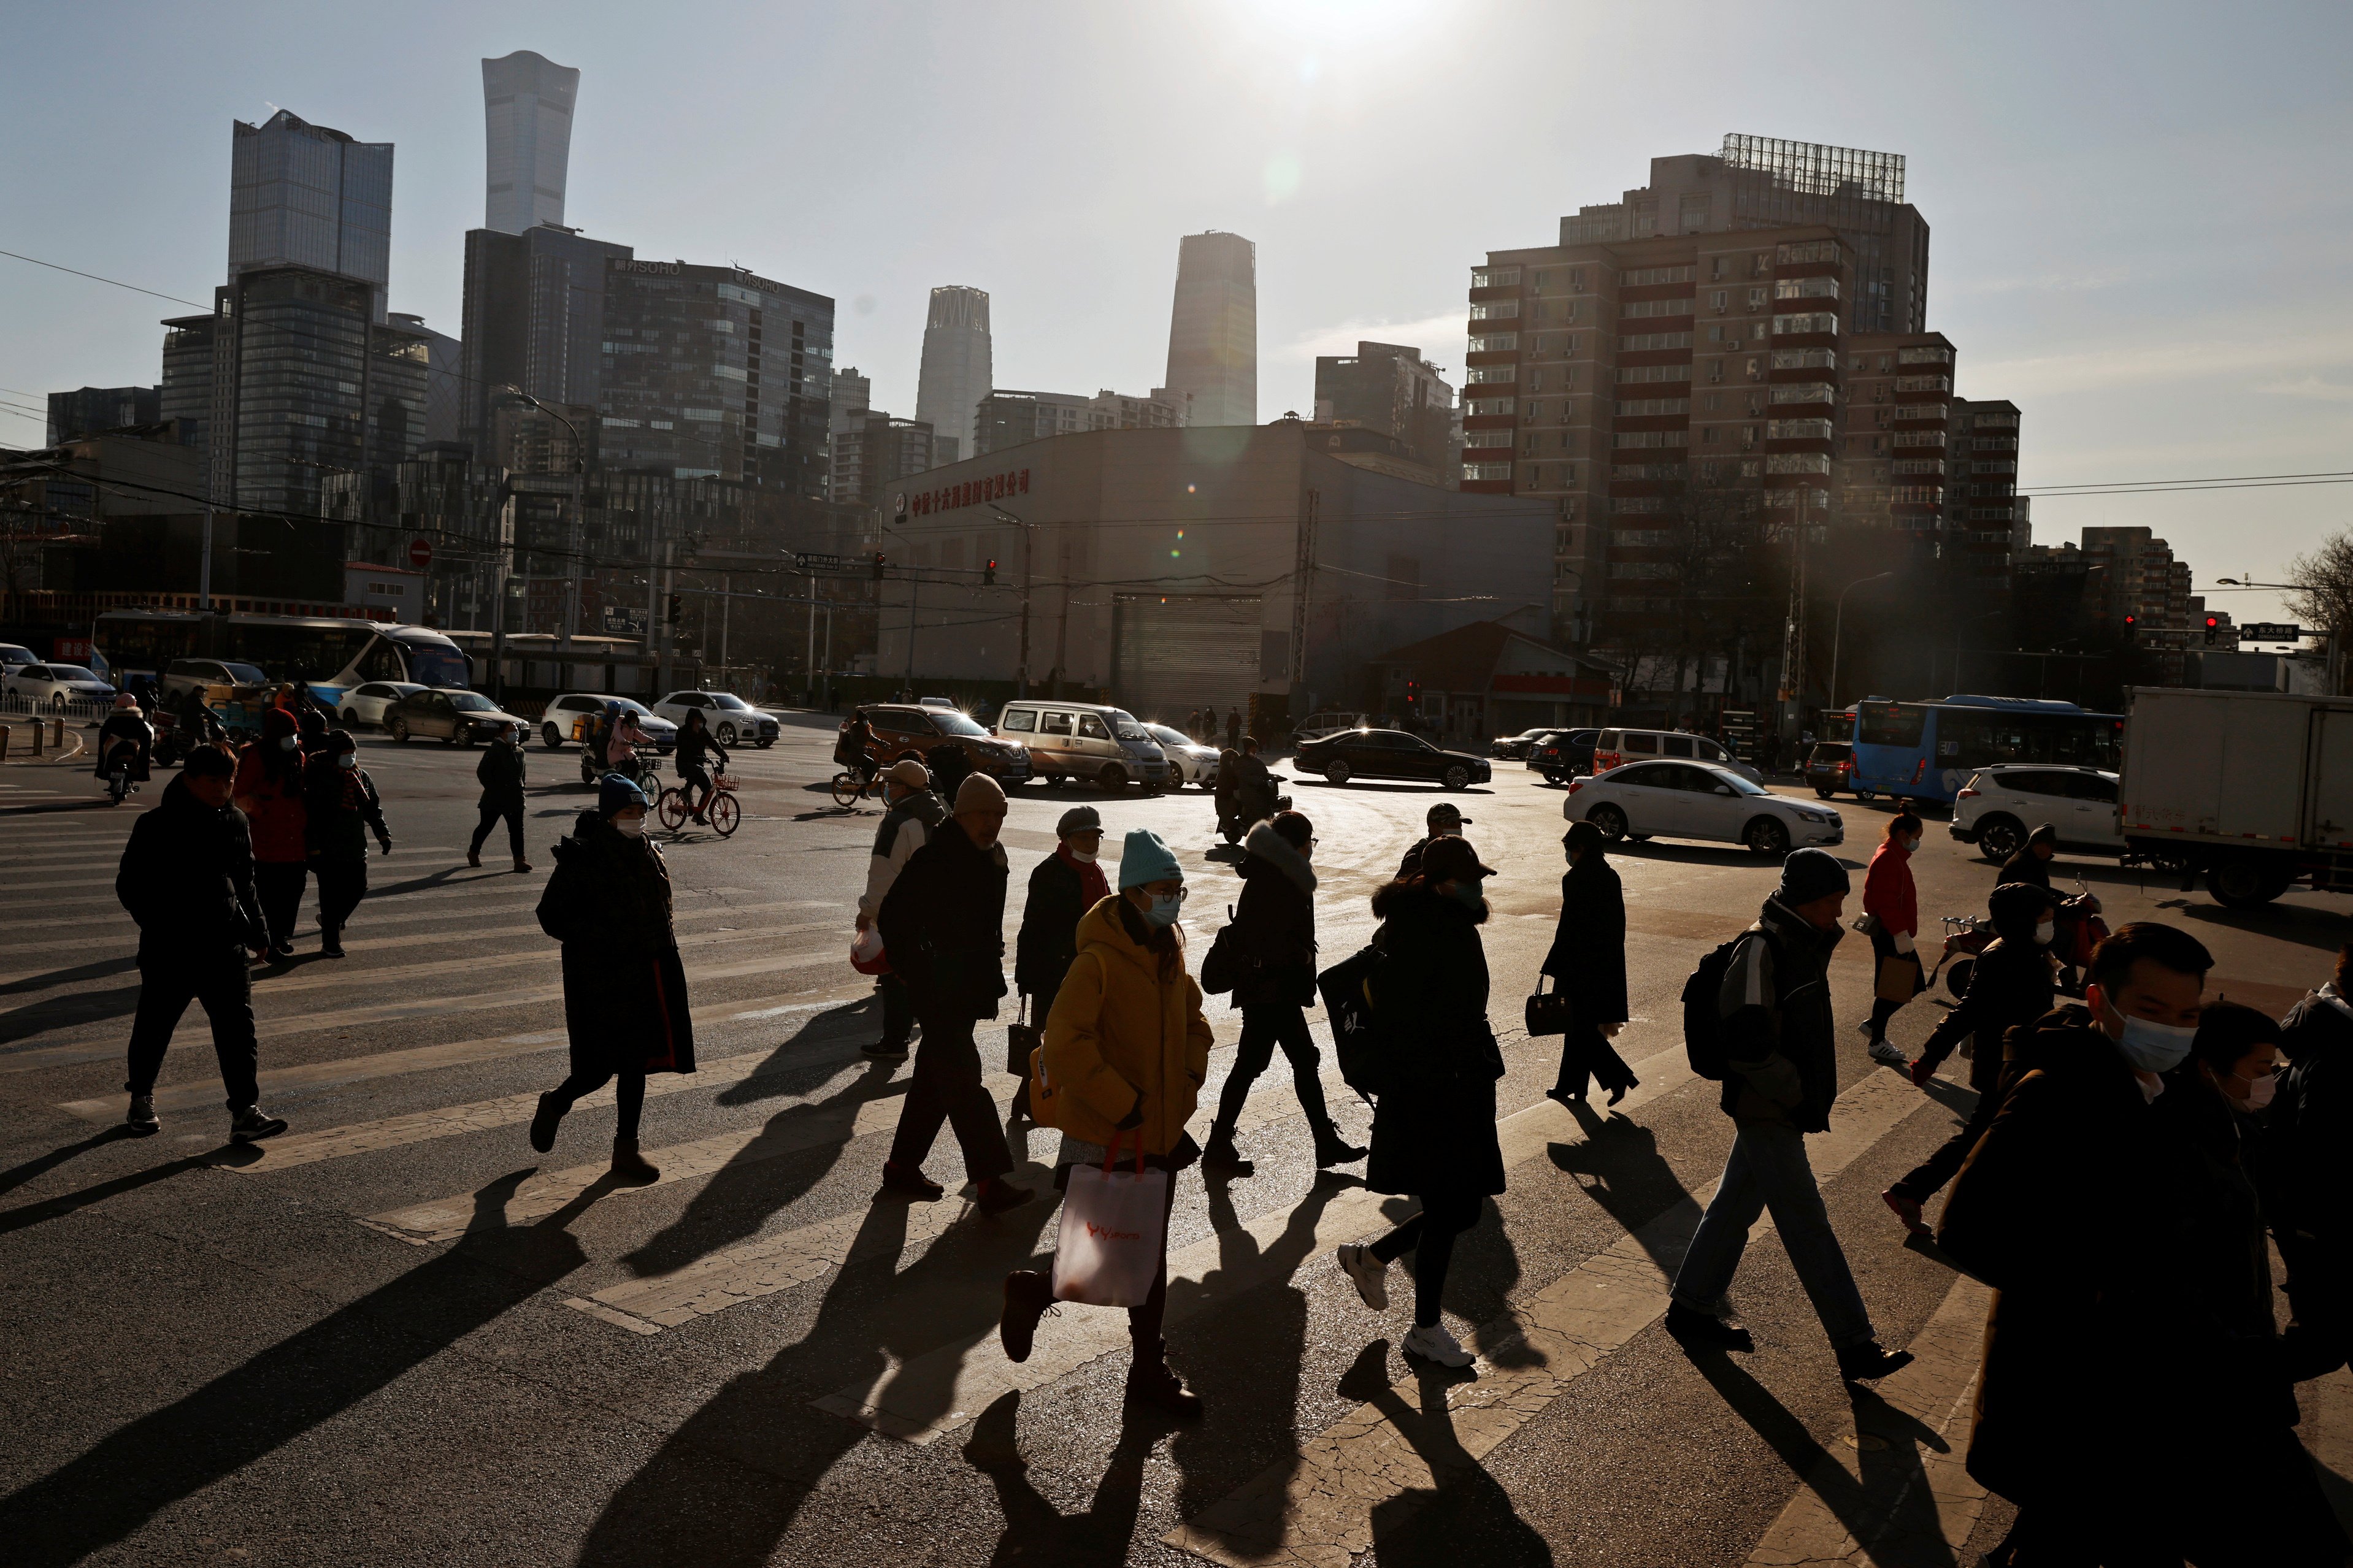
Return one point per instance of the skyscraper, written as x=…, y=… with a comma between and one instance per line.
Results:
x=1213, y=330
x=304, y=196
x=534, y=318
x=527, y=101
x=94, y=408
x=957, y=372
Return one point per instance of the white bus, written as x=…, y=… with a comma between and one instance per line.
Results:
x=328, y=654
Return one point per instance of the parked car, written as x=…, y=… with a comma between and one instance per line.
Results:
x=56, y=684
x=365, y=703
x=1699, y=800
x=1316, y=726
x=1189, y=761
x=1515, y=748
x=561, y=723
x=947, y=702
x=1614, y=748
x=909, y=730
x=1830, y=768
x=1084, y=741
x=2001, y=805
x=1563, y=754
x=13, y=654
x=182, y=675
x=1389, y=754
x=450, y=714
x=729, y=717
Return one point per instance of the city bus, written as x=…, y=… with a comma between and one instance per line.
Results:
x=537, y=666
x=328, y=654
x=1926, y=751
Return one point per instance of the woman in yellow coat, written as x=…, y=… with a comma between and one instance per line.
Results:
x=1125, y=1051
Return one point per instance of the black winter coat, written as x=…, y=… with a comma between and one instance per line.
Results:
x=131, y=727
x=1048, y=939
x=1779, y=1040
x=944, y=924
x=1435, y=1124
x=500, y=773
x=187, y=878
x=2011, y=984
x=1274, y=924
x=2306, y=1169
x=2025, y=867
x=1588, y=960
x=607, y=902
x=331, y=829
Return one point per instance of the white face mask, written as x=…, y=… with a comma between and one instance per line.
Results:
x=348, y=760
x=2258, y=1094
x=2046, y=934
x=285, y=742
x=1083, y=857
x=630, y=827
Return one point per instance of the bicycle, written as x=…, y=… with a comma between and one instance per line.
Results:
x=720, y=812
x=853, y=785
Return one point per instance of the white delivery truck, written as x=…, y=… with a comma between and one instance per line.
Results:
x=2255, y=789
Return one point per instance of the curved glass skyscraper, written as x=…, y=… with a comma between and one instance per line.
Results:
x=527, y=99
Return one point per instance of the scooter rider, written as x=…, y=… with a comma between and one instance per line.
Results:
x=127, y=726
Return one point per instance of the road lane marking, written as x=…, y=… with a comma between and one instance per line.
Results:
x=1319, y=1511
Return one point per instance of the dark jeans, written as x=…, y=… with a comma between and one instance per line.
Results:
x=341, y=885
x=1768, y=1169
x=1883, y=945
x=491, y=811
x=219, y=981
x=1928, y=1178
x=278, y=885
x=947, y=1088
x=630, y=1096
x=1429, y=1236
x=898, y=1009
x=1586, y=1052
x=1265, y=1026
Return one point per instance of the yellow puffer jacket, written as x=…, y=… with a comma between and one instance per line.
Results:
x=1118, y=1034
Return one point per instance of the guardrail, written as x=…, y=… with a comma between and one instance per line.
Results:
x=95, y=712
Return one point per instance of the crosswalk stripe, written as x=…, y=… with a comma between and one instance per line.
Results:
x=1319, y=1511
x=1853, y=1512
x=338, y=978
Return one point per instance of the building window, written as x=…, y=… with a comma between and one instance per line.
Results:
x=1487, y=471
x=1493, y=276
x=1638, y=407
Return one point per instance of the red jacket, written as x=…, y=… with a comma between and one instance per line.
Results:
x=1887, y=889
x=277, y=817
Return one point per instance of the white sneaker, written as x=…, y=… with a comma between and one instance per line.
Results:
x=1434, y=1344
x=1889, y=1054
x=1371, y=1274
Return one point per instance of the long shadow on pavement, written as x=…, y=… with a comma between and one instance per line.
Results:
x=1036, y=1532
x=114, y=1489
x=40, y=1165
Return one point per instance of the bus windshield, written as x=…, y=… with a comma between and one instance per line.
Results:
x=434, y=664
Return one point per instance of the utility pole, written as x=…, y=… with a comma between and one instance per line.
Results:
x=1302, y=590
x=1028, y=535
x=502, y=529
x=205, y=558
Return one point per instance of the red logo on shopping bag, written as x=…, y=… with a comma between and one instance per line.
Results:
x=1102, y=1233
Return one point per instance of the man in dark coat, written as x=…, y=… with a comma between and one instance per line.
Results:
x=943, y=928
x=1273, y=938
x=2031, y=862
x=500, y=773
x=1062, y=887
x=1233, y=727
x=2306, y=1171
x=1434, y=1120
x=2070, y=1207
x=1779, y=1044
x=1444, y=820
x=339, y=807
x=187, y=878
x=625, y=1006
x=1588, y=964
x=2011, y=984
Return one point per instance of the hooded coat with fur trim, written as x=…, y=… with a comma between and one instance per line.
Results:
x=1126, y=1036
x=1274, y=924
x=1434, y=1126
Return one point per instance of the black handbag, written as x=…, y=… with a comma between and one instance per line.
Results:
x=1021, y=1038
x=1549, y=1010
x=1225, y=966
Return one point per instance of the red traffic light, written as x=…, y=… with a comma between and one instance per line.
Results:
x=2212, y=622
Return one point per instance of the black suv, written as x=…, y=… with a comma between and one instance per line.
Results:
x=1389, y=754
x=1564, y=756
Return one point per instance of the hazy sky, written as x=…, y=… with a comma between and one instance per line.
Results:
x=2140, y=212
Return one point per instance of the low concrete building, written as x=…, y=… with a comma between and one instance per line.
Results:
x=1174, y=567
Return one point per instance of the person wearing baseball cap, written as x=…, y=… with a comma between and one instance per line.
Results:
x=1063, y=887
x=1444, y=820
x=911, y=813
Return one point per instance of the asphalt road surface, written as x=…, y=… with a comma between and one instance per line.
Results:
x=396, y=1335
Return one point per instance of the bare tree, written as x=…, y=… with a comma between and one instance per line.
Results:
x=2324, y=585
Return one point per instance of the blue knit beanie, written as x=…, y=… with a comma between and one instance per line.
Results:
x=614, y=793
x=1146, y=857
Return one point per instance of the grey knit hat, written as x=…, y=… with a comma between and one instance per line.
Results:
x=1810, y=874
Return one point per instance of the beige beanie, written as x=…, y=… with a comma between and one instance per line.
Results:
x=981, y=794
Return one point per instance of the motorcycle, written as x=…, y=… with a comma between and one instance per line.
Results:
x=121, y=772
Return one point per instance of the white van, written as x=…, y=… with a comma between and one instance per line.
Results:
x=1614, y=748
x=1084, y=741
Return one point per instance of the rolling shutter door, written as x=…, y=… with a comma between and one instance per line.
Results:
x=1176, y=652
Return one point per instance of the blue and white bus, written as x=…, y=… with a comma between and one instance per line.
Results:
x=1926, y=751
x=328, y=654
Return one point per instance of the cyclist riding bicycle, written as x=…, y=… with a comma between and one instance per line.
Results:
x=855, y=750
x=694, y=745
x=623, y=736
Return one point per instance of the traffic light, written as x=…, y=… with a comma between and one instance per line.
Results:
x=878, y=566
x=676, y=606
x=2130, y=623
x=988, y=573
x=2214, y=624
x=1413, y=694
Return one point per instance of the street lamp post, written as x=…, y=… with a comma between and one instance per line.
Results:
x=578, y=538
x=1838, y=628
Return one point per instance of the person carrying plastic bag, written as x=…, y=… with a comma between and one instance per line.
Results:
x=1125, y=1051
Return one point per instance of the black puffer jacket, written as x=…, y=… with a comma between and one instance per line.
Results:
x=1274, y=924
x=608, y=902
x=2306, y=1169
x=1435, y=1124
x=1778, y=1036
x=944, y=924
x=500, y=773
x=187, y=878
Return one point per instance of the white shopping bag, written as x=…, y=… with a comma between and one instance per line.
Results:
x=1108, y=1253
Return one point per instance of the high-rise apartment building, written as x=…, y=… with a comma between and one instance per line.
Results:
x=89, y=409
x=846, y=404
x=957, y=370
x=714, y=371
x=444, y=365
x=535, y=320
x=1391, y=389
x=1008, y=418
x=1213, y=330
x=875, y=449
x=303, y=196
x=527, y=103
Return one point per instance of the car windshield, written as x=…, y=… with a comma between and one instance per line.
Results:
x=953, y=723
x=69, y=672
x=1168, y=737
x=245, y=674
x=1740, y=785
x=1125, y=727
x=639, y=709
x=471, y=702
x=729, y=700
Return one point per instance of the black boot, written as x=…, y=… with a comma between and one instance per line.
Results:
x=1150, y=1383
x=1221, y=1155
x=1331, y=1149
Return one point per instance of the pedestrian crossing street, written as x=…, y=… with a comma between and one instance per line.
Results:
x=454, y=963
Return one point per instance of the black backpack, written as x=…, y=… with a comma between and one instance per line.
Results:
x=1347, y=1005
x=1702, y=1019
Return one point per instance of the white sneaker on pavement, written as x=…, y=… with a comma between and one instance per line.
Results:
x=1371, y=1274
x=1434, y=1344
x=1888, y=1054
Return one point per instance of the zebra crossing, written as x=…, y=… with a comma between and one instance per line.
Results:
x=450, y=994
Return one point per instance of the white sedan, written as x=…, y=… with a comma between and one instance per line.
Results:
x=365, y=703
x=56, y=685
x=1189, y=761
x=1699, y=800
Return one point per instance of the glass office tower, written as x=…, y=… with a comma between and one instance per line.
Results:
x=304, y=196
